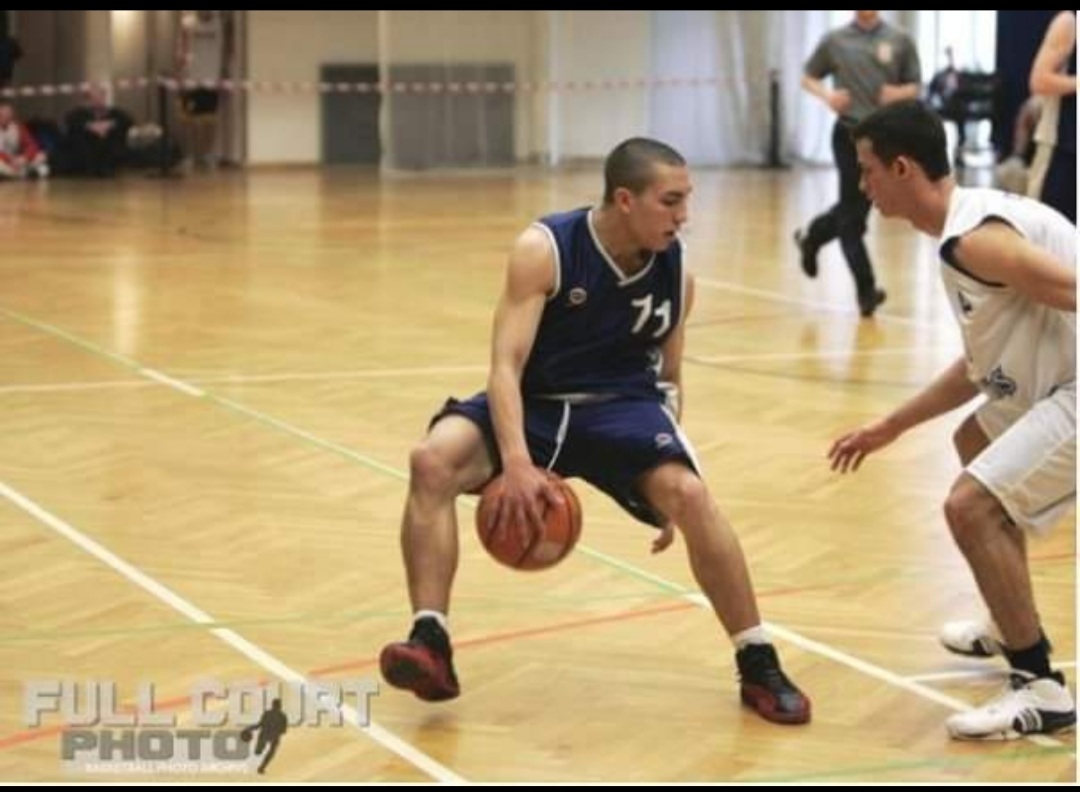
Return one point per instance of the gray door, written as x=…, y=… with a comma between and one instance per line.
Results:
x=350, y=121
x=452, y=129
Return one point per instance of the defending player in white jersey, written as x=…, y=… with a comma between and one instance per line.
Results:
x=1009, y=268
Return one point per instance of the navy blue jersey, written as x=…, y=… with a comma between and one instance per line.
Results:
x=601, y=331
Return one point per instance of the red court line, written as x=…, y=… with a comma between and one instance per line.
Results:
x=572, y=625
x=485, y=640
x=30, y=735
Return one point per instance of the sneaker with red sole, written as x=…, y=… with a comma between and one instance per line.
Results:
x=766, y=688
x=423, y=664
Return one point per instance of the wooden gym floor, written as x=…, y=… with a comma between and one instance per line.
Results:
x=208, y=392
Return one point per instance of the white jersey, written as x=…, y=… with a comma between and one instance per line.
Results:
x=205, y=31
x=1016, y=348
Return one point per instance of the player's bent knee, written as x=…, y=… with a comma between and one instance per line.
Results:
x=688, y=498
x=967, y=510
x=430, y=470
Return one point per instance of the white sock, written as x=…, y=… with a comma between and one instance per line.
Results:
x=755, y=635
x=438, y=617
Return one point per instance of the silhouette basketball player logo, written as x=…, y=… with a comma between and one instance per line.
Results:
x=271, y=726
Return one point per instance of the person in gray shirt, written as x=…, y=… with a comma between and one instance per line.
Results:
x=872, y=64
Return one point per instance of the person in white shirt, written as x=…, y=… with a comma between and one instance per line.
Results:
x=203, y=54
x=1009, y=268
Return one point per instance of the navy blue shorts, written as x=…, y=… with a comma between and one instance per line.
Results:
x=200, y=101
x=610, y=444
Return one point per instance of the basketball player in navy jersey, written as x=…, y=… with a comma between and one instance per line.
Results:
x=1009, y=268
x=587, y=340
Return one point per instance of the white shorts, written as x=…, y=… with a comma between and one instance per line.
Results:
x=1030, y=464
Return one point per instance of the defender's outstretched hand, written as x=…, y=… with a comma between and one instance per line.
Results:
x=848, y=452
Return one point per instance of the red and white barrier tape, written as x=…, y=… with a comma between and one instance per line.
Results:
x=384, y=87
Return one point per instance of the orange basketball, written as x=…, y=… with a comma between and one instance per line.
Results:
x=562, y=527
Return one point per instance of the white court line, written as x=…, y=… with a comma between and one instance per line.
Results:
x=696, y=597
x=975, y=673
x=822, y=353
x=51, y=387
x=418, y=371
x=241, y=379
x=176, y=384
x=896, y=680
x=849, y=660
x=422, y=371
x=263, y=658
x=814, y=304
x=887, y=676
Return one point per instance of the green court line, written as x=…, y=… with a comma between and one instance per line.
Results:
x=608, y=560
x=138, y=368
x=868, y=772
x=293, y=431
x=73, y=339
x=544, y=605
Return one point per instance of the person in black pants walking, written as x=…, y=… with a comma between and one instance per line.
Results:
x=872, y=64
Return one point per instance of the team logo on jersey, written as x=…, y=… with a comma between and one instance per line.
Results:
x=965, y=304
x=663, y=440
x=998, y=384
x=577, y=296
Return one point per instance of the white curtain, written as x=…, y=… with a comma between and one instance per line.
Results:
x=590, y=79
x=729, y=124
x=707, y=122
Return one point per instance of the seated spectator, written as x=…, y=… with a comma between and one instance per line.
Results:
x=149, y=148
x=942, y=96
x=97, y=135
x=20, y=155
x=962, y=97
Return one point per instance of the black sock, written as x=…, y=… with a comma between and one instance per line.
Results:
x=430, y=633
x=1034, y=659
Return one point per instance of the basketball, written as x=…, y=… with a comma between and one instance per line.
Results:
x=562, y=527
